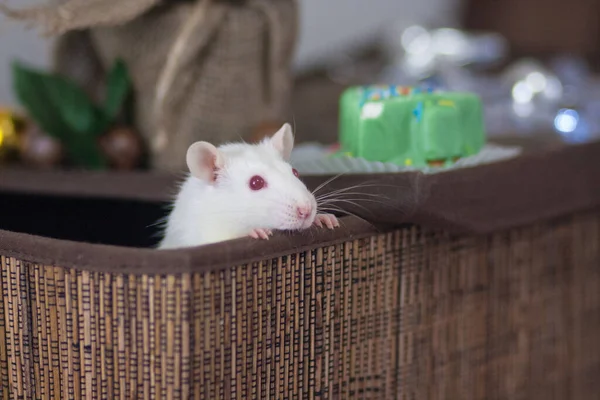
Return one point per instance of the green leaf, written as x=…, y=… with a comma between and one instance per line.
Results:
x=26, y=88
x=70, y=103
x=86, y=153
x=62, y=110
x=118, y=86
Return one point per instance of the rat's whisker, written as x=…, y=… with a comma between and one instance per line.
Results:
x=372, y=199
x=345, y=192
x=353, y=194
x=160, y=222
x=376, y=201
x=346, y=189
x=352, y=203
x=348, y=202
x=339, y=210
x=377, y=182
x=328, y=181
x=387, y=204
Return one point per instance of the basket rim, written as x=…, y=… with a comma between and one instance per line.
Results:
x=478, y=200
x=213, y=257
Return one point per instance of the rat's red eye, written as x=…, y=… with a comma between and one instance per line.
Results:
x=295, y=172
x=256, y=182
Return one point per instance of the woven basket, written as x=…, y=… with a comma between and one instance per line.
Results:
x=491, y=290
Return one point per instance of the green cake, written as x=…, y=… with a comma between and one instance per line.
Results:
x=409, y=126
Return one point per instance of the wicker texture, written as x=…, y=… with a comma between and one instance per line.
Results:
x=405, y=314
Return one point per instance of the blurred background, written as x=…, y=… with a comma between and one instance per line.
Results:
x=328, y=29
x=533, y=62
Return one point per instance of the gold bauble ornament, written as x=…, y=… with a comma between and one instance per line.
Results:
x=11, y=134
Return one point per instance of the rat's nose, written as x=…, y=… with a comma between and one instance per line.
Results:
x=304, y=212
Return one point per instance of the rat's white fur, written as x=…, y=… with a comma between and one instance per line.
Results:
x=207, y=211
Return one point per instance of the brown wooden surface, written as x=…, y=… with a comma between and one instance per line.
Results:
x=540, y=27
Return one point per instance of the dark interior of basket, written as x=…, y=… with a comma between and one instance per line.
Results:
x=123, y=222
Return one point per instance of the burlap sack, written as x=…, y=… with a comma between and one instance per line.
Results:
x=202, y=69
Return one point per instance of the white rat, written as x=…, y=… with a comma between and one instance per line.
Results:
x=240, y=190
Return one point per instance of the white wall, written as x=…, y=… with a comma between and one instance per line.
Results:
x=327, y=26
x=330, y=25
x=16, y=42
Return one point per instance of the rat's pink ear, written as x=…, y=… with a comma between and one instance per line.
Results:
x=283, y=141
x=204, y=160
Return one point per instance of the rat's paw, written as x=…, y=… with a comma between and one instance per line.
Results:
x=261, y=234
x=329, y=220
